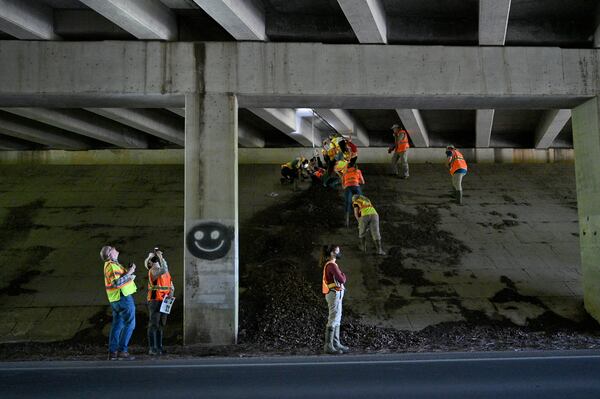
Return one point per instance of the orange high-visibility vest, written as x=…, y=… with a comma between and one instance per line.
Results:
x=157, y=291
x=457, y=161
x=351, y=178
x=402, y=144
x=326, y=287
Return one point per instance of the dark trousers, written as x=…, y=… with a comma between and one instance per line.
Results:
x=156, y=323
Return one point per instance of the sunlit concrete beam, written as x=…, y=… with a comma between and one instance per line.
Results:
x=26, y=129
x=86, y=124
x=154, y=123
x=27, y=20
x=414, y=125
x=144, y=19
x=287, y=122
x=484, y=120
x=244, y=20
x=250, y=138
x=367, y=18
x=493, y=22
x=344, y=123
x=550, y=126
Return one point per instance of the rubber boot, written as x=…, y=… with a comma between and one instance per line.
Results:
x=329, y=348
x=159, y=343
x=337, y=344
x=459, y=197
x=379, y=248
x=347, y=220
x=152, y=343
x=363, y=244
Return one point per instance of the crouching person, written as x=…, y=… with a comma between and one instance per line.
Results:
x=368, y=219
x=159, y=287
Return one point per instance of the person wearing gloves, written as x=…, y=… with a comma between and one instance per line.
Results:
x=400, y=149
x=120, y=288
x=160, y=286
x=458, y=169
x=333, y=289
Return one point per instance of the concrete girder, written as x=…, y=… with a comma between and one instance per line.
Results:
x=25, y=130
x=550, y=126
x=414, y=125
x=27, y=20
x=178, y=111
x=287, y=122
x=493, y=21
x=244, y=20
x=84, y=123
x=249, y=137
x=343, y=122
x=146, y=121
x=9, y=143
x=144, y=19
x=367, y=18
x=484, y=120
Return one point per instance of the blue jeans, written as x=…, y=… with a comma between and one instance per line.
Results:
x=123, y=323
x=350, y=191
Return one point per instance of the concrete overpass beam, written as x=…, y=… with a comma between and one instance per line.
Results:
x=147, y=121
x=178, y=111
x=414, y=125
x=9, y=143
x=344, y=123
x=244, y=20
x=23, y=129
x=145, y=19
x=586, y=141
x=286, y=121
x=550, y=126
x=211, y=219
x=249, y=137
x=484, y=120
x=493, y=21
x=367, y=18
x=84, y=123
x=27, y=20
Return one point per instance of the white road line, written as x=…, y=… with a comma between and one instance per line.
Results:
x=299, y=364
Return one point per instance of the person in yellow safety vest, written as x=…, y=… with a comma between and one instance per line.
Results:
x=160, y=286
x=120, y=287
x=400, y=149
x=368, y=219
x=351, y=181
x=333, y=288
x=292, y=170
x=458, y=169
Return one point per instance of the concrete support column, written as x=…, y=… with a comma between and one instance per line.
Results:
x=586, y=141
x=211, y=219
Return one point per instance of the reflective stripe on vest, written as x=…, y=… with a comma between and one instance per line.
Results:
x=402, y=144
x=113, y=271
x=325, y=288
x=351, y=178
x=457, y=162
x=158, y=291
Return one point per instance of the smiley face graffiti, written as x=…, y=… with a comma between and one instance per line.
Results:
x=209, y=240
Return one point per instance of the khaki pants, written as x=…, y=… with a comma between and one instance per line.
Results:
x=457, y=181
x=400, y=158
x=369, y=222
x=334, y=304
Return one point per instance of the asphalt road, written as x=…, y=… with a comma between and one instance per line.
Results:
x=571, y=375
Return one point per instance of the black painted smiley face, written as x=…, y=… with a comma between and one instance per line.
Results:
x=209, y=240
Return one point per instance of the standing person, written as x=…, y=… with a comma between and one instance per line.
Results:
x=159, y=287
x=333, y=289
x=351, y=181
x=400, y=149
x=458, y=169
x=120, y=288
x=368, y=219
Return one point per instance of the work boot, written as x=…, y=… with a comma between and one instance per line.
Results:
x=459, y=197
x=363, y=244
x=125, y=356
x=329, y=348
x=337, y=344
x=347, y=220
x=379, y=248
x=152, y=343
x=159, y=343
x=112, y=356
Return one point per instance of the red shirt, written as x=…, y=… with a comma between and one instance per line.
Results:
x=333, y=271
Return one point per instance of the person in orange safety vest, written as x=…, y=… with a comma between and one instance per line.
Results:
x=458, y=169
x=400, y=149
x=333, y=288
x=351, y=181
x=160, y=286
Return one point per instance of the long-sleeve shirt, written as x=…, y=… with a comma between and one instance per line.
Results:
x=333, y=273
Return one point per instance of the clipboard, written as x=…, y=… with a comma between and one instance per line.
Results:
x=167, y=303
